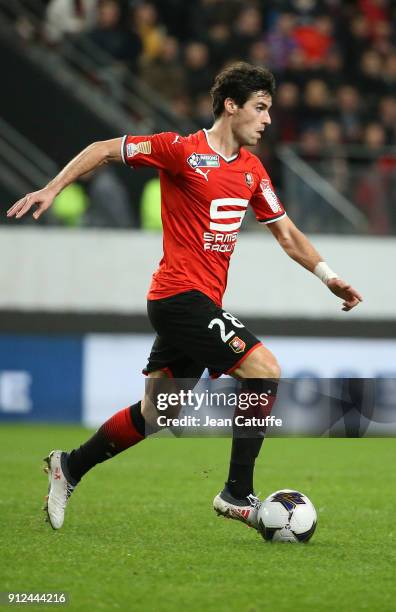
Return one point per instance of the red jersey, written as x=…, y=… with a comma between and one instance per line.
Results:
x=204, y=197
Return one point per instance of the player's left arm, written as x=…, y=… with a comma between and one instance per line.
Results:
x=299, y=248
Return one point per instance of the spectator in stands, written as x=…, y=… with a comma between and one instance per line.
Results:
x=372, y=191
x=334, y=166
x=382, y=37
x=286, y=114
x=305, y=204
x=205, y=13
x=349, y=113
x=259, y=53
x=369, y=78
x=311, y=145
x=305, y=10
x=174, y=17
x=387, y=113
x=68, y=17
x=220, y=42
x=182, y=106
x=331, y=134
x=333, y=69
x=296, y=70
x=165, y=73
x=109, y=35
x=315, y=39
x=280, y=41
x=355, y=43
x=374, y=11
x=316, y=104
x=151, y=32
x=203, y=114
x=199, y=73
x=374, y=138
x=248, y=29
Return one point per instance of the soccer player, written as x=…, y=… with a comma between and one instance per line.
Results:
x=208, y=179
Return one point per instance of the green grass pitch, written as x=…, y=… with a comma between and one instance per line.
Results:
x=140, y=533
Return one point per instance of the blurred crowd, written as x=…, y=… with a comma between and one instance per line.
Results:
x=334, y=62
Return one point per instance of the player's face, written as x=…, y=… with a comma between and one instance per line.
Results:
x=250, y=120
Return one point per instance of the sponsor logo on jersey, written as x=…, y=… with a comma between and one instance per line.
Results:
x=223, y=243
x=248, y=179
x=237, y=345
x=270, y=196
x=133, y=149
x=203, y=160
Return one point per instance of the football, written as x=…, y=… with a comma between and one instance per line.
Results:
x=287, y=516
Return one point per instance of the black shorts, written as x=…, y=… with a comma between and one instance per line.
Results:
x=193, y=333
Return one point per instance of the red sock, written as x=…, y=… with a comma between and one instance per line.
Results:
x=120, y=430
x=115, y=435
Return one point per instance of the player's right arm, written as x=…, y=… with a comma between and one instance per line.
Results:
x=93, y=156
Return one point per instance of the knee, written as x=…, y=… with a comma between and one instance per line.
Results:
x=260, y=364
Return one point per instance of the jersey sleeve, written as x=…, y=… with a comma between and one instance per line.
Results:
x=163, y=151
x=265, y=203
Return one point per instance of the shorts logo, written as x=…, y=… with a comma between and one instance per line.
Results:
x=203, y=160
x=237, y=345
x=270, y=196
x=248, y=179
x=133, y=149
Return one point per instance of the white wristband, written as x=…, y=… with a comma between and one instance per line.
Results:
x=323, y=272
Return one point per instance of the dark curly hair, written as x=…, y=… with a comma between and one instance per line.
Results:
x=238, y=82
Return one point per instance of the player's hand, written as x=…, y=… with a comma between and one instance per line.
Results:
x=344, y=291
x=41, y=200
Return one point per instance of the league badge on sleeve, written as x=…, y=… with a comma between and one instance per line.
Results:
x=133, y=149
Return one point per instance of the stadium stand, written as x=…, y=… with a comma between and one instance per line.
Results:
x=335, y=65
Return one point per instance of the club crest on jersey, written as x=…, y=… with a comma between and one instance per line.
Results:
x=203, y=160
x=249, y=179
x=237, y=345
x=270, y=196
x=133, y=149
x=288, y=499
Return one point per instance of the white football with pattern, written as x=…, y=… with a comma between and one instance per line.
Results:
x=287, y=516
